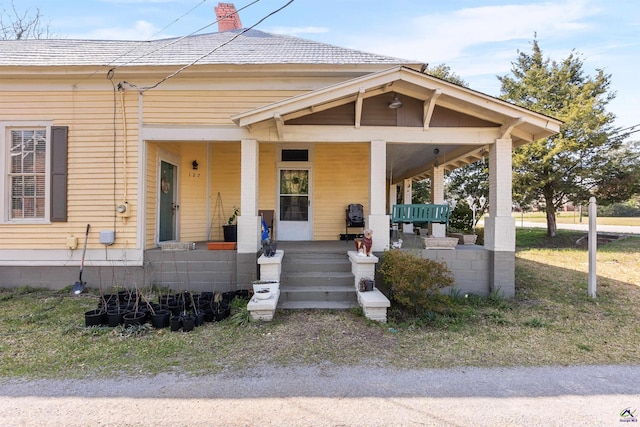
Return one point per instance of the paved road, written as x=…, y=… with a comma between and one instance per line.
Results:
x=618, y=229
x=335, y=396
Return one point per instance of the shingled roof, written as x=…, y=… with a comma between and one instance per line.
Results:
x=250, y=47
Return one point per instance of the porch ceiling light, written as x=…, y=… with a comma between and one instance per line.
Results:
x=395, y=103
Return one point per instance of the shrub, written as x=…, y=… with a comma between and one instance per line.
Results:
x=412, y=279
x=461, y=218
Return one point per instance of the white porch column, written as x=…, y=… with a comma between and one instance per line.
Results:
x=378, y=220
x=499, y=227
x=437, y=197
x=249, y=221
x=407, y=197
x=393, y=196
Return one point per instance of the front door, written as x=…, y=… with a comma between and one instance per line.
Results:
x=168, y=204
x=294, y=205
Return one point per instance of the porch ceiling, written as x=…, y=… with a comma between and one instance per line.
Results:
x=410, y=151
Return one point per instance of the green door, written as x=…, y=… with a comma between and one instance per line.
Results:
x=168, y=206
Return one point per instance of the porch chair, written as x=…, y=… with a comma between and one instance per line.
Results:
x=354, y=218
x=268, y=215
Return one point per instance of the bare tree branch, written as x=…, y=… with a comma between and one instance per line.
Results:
x=18, y=25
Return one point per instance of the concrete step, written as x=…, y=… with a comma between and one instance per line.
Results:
x=319, y=305
x=320, y=280
x=316, y=279
x=316, y=262
x=325, y=265
x=318, y=293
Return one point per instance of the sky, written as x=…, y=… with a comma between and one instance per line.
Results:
x=477, y=39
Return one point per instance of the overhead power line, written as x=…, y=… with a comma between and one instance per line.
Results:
x=150, y=39
x=179, y=39
x=625, y=132
x=146, y=88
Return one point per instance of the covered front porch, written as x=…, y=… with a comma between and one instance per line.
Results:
x=360, y=146
x=194, y=267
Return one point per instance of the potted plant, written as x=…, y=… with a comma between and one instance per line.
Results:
x=230, y=229
x=461, y=224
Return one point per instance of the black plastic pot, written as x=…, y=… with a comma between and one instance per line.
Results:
x=227, y=297
x=175, y=323
x=175, y=308
x=221, y=313
x=230, y=232
x=161, y=319
x=109, y=299
x=199, y=318
x=133, y=318
x=95, y=318
x=115, y=317
x=242, y=293
x=206, y=295
x=124, y=296
x=167, y=299
x=188, y=323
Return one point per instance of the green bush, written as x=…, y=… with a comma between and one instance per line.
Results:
x=461, y=218
x=412, y=280
x=627, y=209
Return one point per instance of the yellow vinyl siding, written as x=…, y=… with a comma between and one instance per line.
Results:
x=225, y=179
x=151, y=195
x=94, y=187
x=193, y=193
x=204, y=107
x=341, y=177
x=267, y=177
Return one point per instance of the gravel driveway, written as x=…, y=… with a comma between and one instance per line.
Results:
x=334, y=396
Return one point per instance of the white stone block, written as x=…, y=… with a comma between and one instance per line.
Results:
x=362, y=266
x=264, y=309
x=271, y=267
x=374, y=305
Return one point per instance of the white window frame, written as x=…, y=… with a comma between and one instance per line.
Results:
x=5, y=165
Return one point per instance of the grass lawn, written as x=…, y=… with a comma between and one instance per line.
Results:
x=551, y=321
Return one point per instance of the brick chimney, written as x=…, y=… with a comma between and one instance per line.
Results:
x=227, y=16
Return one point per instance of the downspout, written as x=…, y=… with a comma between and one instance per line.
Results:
x=124, y=149
x=141, y=179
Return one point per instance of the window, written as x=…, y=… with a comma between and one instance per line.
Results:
x=295, y=155
x=33, y=166
x=27, y=173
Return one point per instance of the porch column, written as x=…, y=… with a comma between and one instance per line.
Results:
x=393, y=196
x=249, y=221
x=500, y=227
x=407, y=196
x=437, y=197
x=378, y=220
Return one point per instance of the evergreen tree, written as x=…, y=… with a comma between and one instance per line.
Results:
x=444, y=72
x=577, y=162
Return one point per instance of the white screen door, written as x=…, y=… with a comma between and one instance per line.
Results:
x=294, y=205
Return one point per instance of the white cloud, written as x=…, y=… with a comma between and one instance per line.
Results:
x=443, y=37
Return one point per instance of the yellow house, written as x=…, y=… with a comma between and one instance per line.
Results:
x=156, y=142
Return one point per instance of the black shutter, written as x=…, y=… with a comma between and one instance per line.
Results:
x=59, y=173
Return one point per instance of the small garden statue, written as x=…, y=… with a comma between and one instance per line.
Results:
x=364, y=246
x=268, y=247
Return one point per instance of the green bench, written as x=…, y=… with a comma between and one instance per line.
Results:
x=419, y=215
